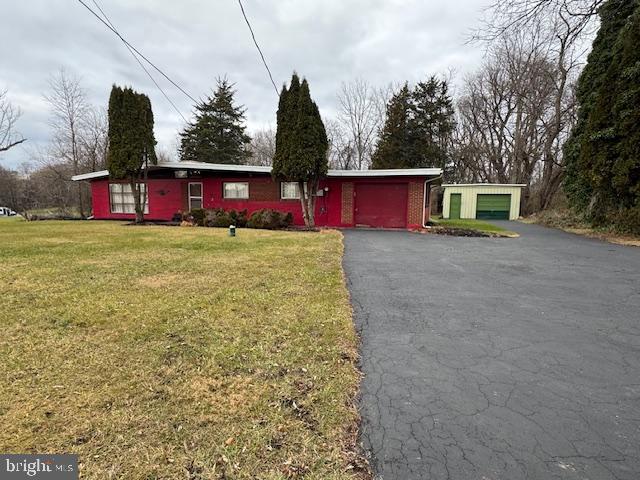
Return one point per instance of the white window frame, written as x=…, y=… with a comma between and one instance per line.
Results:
x=283, y=186
x=196, y=197
x=123, y=191
x=224, y=191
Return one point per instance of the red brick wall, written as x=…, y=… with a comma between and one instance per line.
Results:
x=347, y=204
x=414, y=204
x=264, y=190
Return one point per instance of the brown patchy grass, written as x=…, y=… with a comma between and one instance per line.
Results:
x=168, y=353
x=564, y=219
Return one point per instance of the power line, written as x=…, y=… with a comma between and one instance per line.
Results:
x=140, y=63
x=137, y=51
x=258, y=47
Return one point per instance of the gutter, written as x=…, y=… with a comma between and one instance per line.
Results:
x=424, y=200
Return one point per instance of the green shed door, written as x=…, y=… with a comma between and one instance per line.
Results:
x=493, y=206
x=454, y=206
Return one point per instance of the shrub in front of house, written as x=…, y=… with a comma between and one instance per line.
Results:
x=198, y=216
x=218, y=217
x=266, y=218
x=270, y=219
x=238, y=218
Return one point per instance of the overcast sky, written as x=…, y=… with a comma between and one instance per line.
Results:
x=327, y=41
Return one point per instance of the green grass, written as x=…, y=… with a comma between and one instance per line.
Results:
x=471, y=224
x=165, y=352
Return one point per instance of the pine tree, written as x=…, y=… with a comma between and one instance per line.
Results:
x=217, y=135
x=418, y=128
x=301, y=144
x=394, y=149
x=605, y=86
x=131, y=141
x=431, y=125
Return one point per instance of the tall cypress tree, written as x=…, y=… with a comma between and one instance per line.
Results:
x=301, y=144
x=131, y=141
x=217, y=135
x=283, y=164
x=602, y=165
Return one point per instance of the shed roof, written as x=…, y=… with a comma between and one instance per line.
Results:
x=510, y=185
x=220, y=167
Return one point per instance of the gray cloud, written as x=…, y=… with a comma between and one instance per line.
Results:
x=327, y=41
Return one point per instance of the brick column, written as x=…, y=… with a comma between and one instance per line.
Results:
x=414, y=204
x=346, y=213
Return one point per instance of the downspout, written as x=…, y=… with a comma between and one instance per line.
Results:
x=424, y=200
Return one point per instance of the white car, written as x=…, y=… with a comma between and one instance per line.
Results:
x=7, y=212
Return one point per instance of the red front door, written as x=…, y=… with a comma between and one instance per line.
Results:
x=381, y=205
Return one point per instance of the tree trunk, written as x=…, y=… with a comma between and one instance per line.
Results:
x=76, y=165
x=311, y=203
x=139, y=197
x=308, y=202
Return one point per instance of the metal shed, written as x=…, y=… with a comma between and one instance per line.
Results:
x=487, y=201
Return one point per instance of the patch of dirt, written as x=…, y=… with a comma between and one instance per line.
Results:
x=466, y=232
x=458, y=232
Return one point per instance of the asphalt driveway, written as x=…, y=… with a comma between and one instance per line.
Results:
x=498, y=358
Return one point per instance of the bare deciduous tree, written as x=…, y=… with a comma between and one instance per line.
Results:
x=504, y=17
x=341, y=151
x=69, y=108
x=164, y=156
x=94, y=141
x=79, y=140
x=262, y=147
x=9, y=189
x=361, y=113
x=514, y=116
x=9, y=115
x=557, y=34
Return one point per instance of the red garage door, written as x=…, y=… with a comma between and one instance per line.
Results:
x=381, y=205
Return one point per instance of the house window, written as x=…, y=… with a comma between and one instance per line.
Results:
x=195, y=195
x=232, y=190
x=122, y=200
x=289, y=190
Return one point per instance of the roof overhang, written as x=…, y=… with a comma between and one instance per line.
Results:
x=512, y=185
x=219, y=167
x=392, y=172
x=91, y=176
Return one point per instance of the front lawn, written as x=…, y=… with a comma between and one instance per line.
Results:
x=166, y=353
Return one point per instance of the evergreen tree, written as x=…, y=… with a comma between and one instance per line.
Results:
x=284, y=164
x=431, y=125
x=418, y=128
x=217, y=135
x=603, y=170
x=394, y=149
x=301, y=144
x=131, y=141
